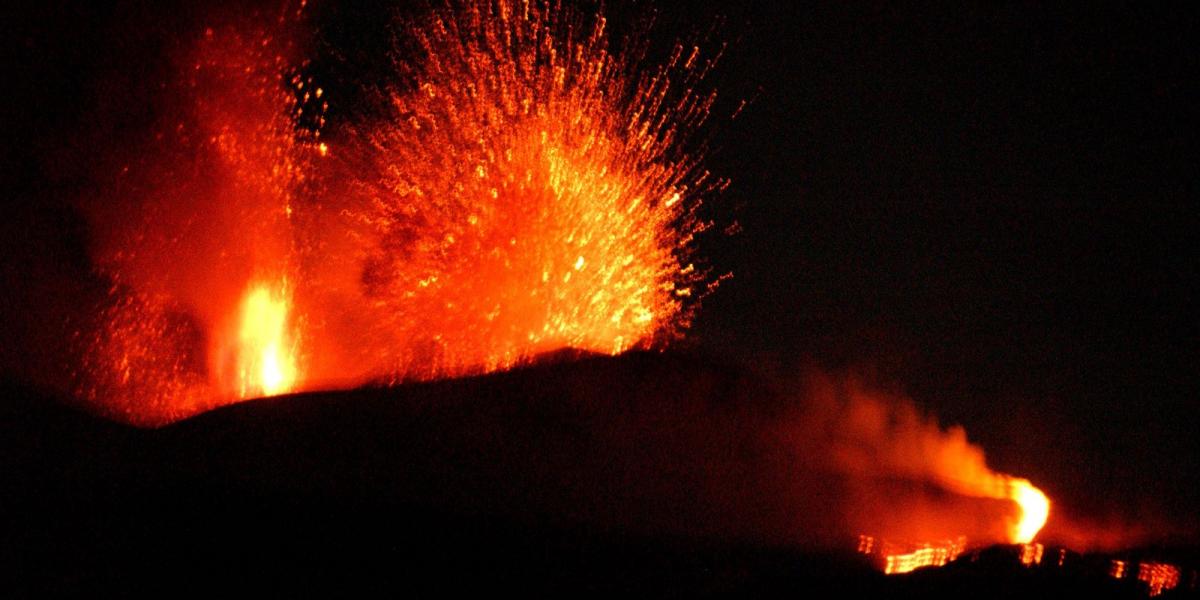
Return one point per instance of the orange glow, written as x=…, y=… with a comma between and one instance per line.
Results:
x=1031, y=554
x=521, y=188
x=1035, y=509
x=267, y=363
x=529, y=191
x=1159, y=576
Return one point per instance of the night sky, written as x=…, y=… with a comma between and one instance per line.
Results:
x=991, y=209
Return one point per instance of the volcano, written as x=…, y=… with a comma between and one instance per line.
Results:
x=544, y=295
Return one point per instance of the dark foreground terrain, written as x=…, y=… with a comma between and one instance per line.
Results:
x=643, y=475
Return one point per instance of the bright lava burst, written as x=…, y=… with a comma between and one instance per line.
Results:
x=529, y=192
x=1035, y=509
x=267, y=363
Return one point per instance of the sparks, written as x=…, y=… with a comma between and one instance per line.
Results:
x=525, y=186
x=267, y=363
x=531, y=191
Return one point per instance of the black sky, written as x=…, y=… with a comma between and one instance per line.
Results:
x=993, y=208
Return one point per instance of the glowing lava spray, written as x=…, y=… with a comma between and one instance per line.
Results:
x=530, y=189
x=525, y=188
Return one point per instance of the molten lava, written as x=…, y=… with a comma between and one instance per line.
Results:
x=1031, y=554
x=900, y=558
x=198, y=214
x=528, y=191
x=1158, y=576
x=523, y=187
x=267, y=362
x=1035, y=509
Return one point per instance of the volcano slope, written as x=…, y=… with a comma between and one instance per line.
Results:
x=649, y=473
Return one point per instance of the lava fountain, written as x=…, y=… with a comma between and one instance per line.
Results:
x=530, y=188
x=194, y=233
x=266, y=352
x=527, y=186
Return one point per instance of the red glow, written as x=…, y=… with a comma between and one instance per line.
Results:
x=526, y=194
x=525, y=190
x=898, y=558
x=1159, y=576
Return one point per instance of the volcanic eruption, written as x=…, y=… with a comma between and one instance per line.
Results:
x=524, y=185
x=527, y=187
x=522, y=182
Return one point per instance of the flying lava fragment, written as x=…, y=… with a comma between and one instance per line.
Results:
x=529, y=189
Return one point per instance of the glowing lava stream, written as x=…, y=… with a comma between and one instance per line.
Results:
x=267, y=363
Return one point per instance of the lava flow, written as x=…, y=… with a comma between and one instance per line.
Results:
x=898, y=455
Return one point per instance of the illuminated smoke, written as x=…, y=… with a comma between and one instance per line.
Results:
x=195, y=234
x=879, y=437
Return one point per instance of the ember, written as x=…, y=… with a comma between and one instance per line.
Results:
x=900, y=558
x=1031, y=554
x=529, y=191
x=1159, y=576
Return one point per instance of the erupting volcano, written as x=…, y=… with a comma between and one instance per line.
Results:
x=438, y=270
x=522, y=188
x=524, y=185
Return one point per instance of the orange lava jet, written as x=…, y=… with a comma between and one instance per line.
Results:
x=1035, y=509
x=1032, y=505
x=267, y=362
